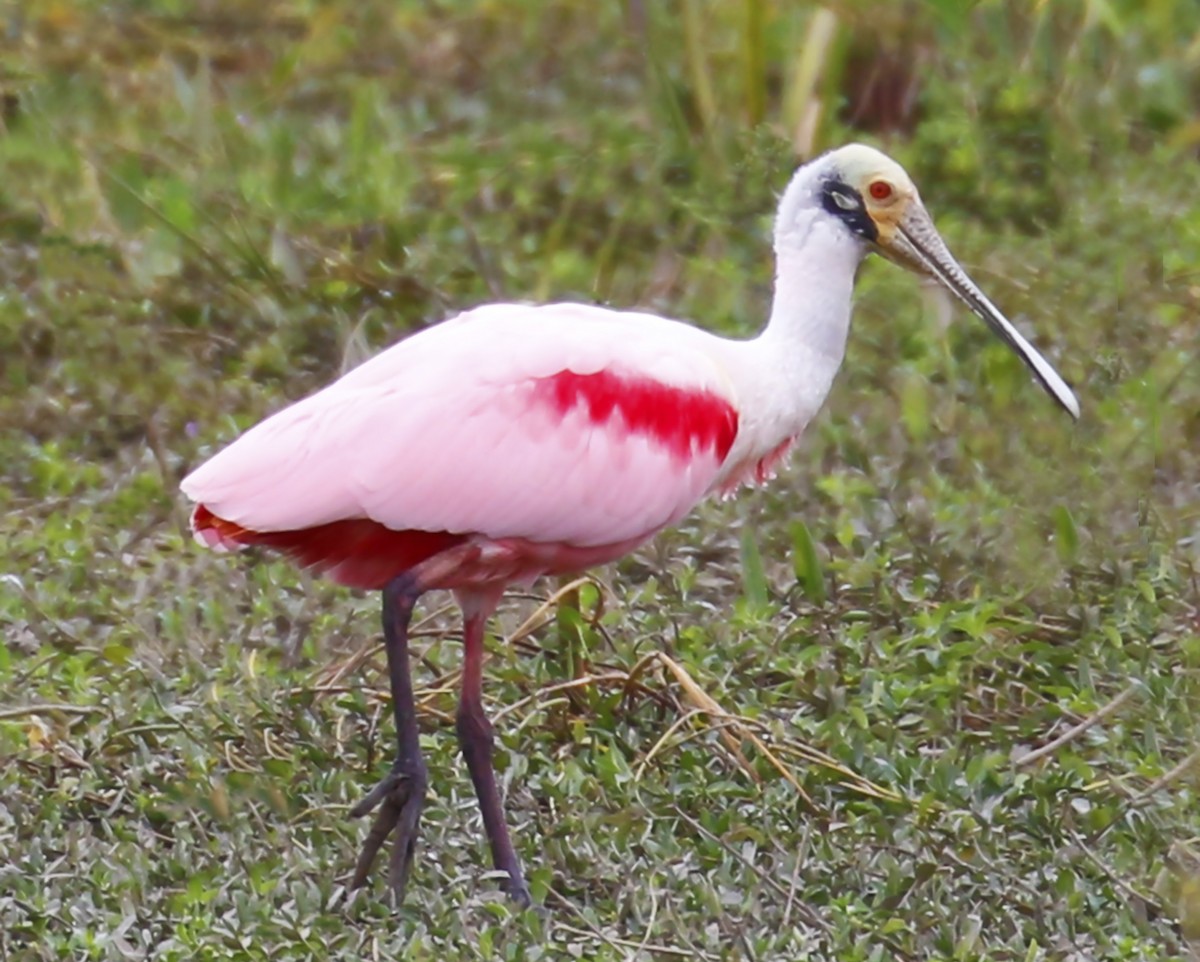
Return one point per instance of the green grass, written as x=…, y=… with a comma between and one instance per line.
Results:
x=206, y=215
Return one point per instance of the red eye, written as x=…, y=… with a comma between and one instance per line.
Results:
x=881, y=190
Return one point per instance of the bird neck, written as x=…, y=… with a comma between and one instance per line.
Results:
x=815, y=264
x=792, y=363
x=784, y=374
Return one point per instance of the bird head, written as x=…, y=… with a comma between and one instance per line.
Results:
x=875, y=200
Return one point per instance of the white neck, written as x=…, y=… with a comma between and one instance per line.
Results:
x=789, y=368
x=804, y=342
x=815, y=264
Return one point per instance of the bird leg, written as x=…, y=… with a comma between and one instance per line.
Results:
x=401, y=793
x=475, y=739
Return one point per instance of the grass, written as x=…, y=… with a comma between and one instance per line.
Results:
x=844, y=717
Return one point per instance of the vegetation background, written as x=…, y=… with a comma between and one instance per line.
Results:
x=800, y=725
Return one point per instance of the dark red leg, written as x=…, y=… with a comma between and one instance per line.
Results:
x=475, y=739
x=401, y=793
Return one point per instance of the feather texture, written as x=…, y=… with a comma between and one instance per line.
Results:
x=563, y=426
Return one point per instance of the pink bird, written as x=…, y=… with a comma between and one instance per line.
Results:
x=514, y=441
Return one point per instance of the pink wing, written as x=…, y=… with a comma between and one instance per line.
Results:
x=560, y=425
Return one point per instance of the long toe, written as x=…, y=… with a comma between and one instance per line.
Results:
x=404, y=845
x=399, y=797
x=393, y=782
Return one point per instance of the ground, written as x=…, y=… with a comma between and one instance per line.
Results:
x=929, y=695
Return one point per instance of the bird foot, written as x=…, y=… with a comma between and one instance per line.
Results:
x=518, y=891
x=399, y=796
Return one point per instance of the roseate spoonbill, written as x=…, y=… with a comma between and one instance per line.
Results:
x=515, y=441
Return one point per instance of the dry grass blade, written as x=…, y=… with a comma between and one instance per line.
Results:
x=574, y=683
x=698, y=68
x=1076, y=730
x=25, y=711
x=1120, y=882
x=853, y=780
x=802, y=99
x=1170, y=776
x=666, y=737
x=700, y=699
x=734, y=729
x=641, y=947
x=543, y=614
x=707, y=705
x=331, y=676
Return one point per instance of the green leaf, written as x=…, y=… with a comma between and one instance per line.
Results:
x=914, y=407
x=754, y=579
x=806, y=564
x=1066, y=535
